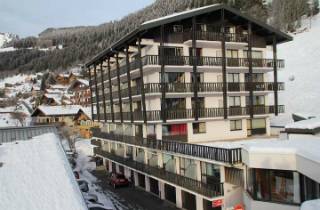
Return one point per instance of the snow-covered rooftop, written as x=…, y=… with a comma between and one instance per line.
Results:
x=36, y=175
x=178, y=14
x=310, y=124
x=59, y=110
x=307, y=146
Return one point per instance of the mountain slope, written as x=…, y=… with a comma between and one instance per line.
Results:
x=302, y=73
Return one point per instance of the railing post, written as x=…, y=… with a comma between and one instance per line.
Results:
x=195, y=60
x=275, y=74
x=110, y=90
x=143, y=96
x=97, y=92
x=91, y=97
x=129, y=83
x=103, y=93
x=249, y=57
x=224, y=66
x=119, y=86
x=162, y=63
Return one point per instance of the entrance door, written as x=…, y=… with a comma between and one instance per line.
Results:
x=188, y=201
x=170, y=193
x=154, y=186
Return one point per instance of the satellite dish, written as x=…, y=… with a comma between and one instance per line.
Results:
x=292, y=78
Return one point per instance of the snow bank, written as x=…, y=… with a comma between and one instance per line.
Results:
x=311, y=205
x=36, y=175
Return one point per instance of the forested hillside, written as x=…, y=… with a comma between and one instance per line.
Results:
x=81, y=43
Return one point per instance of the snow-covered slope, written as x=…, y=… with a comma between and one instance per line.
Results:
x=302, y=73
x=6, y=38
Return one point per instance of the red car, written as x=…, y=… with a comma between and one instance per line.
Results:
x=117, y=180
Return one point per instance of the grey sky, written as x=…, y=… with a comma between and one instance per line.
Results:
x=30, y=17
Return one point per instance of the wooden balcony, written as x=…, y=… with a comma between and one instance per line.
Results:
x=212, y=190
x=231, y=156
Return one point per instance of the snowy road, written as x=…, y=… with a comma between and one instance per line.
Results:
x=127, y=198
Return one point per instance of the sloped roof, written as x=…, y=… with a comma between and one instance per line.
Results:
x=281, y=36
x=57, y=110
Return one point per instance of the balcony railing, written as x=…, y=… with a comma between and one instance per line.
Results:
x=231, y=156
x=212, y=190
x=202, y=87
x=200, y=61
x=208, y=36
x=176, y=114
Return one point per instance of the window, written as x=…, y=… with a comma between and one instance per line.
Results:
x=235, y=125
x=272, y=185
x=177, y=28
x=200, y=102
x=188, y=168
x=175, y=129
x=199, y=77
x=256, y=77
x=234, y=101
x=175, y=103
x=173, y=77
x=232, y=54
x=199, y=127
x=210, y=173
x=229, y=53
x=255, y=54
x=233, y=78
x=257, y=100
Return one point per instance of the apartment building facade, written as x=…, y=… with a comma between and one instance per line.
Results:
x=177, y=82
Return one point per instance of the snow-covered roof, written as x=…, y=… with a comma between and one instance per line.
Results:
x=58, y=110
x=59, y=87
x=82, y=81
x=310, y=124
x=178, y=14
x=305, y=145
x=36, y=175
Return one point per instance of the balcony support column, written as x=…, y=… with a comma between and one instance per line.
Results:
x=90, y=86
x=224, y=66
x=162, y=63
x=143, y=95
x=195, y=61
x=275, y=75
x=103, y=93
x=110, y=90
x=119, y=87
x=249, y=56
x=129, y=83
x=97, y=92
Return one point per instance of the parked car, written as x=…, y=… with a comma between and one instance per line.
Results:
x=117, y=180
x=83, y=185
x=98, y=207
x=76, y=174
x=89, y=197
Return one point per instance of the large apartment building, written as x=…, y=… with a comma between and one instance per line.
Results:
x=168, y=90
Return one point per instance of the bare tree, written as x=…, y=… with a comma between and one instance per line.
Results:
x=20, y=117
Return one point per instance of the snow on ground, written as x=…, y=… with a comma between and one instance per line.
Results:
x=85, y=166
x=7, y=121
x=36, y=175
x=301, y=73
x=311, y=205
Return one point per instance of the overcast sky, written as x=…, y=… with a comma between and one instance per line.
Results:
x=30, y=17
